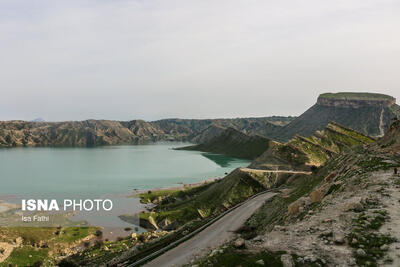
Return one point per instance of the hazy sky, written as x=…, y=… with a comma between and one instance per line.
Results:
x=150, y=59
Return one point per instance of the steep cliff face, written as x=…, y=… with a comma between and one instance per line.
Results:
x=355, y=100
x=390, y=143
x=368, y=113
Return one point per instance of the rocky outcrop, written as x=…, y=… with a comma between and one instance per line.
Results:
x=367, y=113
x=355, y=100
x=390, y=143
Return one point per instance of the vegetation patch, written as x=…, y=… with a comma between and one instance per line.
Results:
x=232, y=257
x=26, y=256
x=364, y=238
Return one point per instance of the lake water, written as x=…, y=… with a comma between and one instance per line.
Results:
x=110, y=171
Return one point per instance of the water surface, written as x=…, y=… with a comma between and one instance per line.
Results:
x=112, y=172
x=106, y=170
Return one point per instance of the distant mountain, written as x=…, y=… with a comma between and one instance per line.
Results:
x=105, y=132
x=234, y=143
x=303, y=152
x=208, y=134
x=82, y=133
x=265, y=126
x=365, y=112
x=38, y=120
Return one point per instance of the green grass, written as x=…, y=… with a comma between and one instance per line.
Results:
x=150, y=196
x=210, y=199
x=169, y=194
x=32, y=237
x=231, y=257
x=72, y=234
x=26, y=256
x=372, y=163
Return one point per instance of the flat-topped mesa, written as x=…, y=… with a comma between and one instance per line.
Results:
x=355, y=100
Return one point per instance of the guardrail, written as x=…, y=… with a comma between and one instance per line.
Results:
x=188, y=236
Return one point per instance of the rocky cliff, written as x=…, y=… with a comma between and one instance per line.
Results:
x=355, y=100
x=370, y=114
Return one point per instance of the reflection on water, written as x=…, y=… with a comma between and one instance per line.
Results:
x=222, y=160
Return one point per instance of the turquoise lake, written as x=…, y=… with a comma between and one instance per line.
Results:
x=112, y=172
x=49, y=172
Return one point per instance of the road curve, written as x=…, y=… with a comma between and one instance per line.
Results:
x=213, y=236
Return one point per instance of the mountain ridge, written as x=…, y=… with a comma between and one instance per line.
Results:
x=234, y=143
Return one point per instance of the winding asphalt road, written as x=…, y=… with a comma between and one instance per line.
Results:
x=213, y=236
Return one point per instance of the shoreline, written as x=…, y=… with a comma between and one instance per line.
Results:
x=178, y=187
x=113, y=232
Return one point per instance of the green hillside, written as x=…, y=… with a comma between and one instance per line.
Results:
x=209, y=200
x=304, y=152
x=234, y=143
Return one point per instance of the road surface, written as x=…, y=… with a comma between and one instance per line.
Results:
x=213, y=236
x=274, y=171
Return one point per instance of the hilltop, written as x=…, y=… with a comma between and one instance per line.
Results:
x=232, y=142
x=368, y=113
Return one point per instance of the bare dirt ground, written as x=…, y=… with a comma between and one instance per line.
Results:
x=6, y=249
x=322, y=234
x=392, y=203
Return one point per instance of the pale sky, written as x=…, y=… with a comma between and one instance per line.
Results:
x=152, y=59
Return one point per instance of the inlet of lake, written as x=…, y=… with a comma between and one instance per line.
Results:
x=113, y=172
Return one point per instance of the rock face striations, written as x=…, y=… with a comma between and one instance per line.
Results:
x=355, y=100
x=77, y=133
x=368, y=113
x=106, y=132
x=301, y=153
